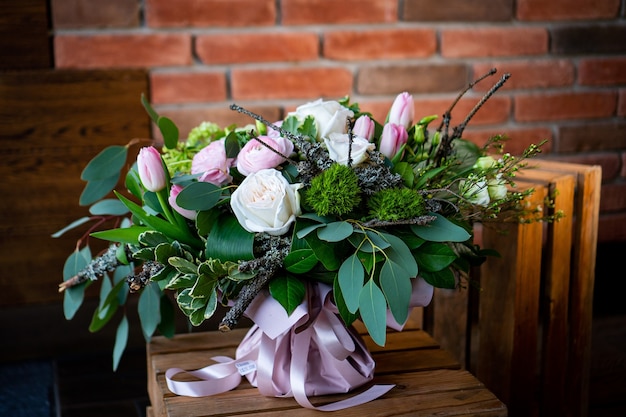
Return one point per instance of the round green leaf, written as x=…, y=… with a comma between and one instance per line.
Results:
x=199, y=196
x=97, y=189
x=108, y=163
x=335, y=232
x=109, y=207
x=441, y=230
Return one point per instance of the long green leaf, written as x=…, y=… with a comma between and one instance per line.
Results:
x=73, y=297
x=300, y=261
x=351, y=277
x=373, y=309
x=121, y=339
x=169, y=130
x=441, y=230
x=71, y=226
x=396, y=285
x=400, y=253
x=149, y=309
x=123, y=235
x=228, y=241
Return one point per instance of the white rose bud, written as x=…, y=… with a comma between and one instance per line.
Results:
x=484, y=162
x=338, y=146
x=497, y=188
x=266, y=202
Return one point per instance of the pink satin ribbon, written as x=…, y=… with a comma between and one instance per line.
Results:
x=281, y=357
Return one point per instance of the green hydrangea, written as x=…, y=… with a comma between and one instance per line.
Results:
x=334, y=192
x=394, y=204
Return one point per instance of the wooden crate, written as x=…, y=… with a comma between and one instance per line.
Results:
x=428, y=381
x=526, y=333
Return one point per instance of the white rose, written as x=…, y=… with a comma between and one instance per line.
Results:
x=485, y=162
x=476, y=192
x=338, y=145
x=497, y=188
x=330, y=116
x=266, y=202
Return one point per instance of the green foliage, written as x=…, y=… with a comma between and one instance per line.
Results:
x=335, y=191
x=394, y=204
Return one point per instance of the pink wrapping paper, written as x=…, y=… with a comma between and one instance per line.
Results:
x=301, y=355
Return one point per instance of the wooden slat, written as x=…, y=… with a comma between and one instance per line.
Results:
x=53, y=123
x=428, y=381
x=586, y=214
x=509, y=311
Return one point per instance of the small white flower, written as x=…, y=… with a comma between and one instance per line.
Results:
x=476, y=192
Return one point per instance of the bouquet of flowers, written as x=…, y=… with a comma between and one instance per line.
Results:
x=326, y=195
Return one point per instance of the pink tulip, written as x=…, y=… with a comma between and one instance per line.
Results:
x=392, y=139
x=402, y=111
x=364, y=127
x=151, y=170
x=212, y=164
x=175, y=190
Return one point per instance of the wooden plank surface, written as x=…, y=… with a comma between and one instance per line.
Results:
x=53, y=123
x=428, y=381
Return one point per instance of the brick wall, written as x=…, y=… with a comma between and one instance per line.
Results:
x=567, y=60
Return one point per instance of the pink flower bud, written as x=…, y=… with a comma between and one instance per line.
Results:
x=392, y=139
x=174, y=191
x=364, y=127
x=212, y=164
x=402, y=111
x=151, y=170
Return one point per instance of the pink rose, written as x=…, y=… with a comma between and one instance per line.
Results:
x=151, y=170
x=255, y=156
x=364, y=127
x=174, y=191
x=402, y=111
x=212, y=164
x=392, y=139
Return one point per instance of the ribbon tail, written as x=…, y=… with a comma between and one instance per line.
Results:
x=298, y=379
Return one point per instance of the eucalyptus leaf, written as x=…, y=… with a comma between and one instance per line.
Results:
x=108, y=207
x=97, y=189
x=108, y=163
x=351, y=277
x=441, y=230
x=400, y=253
x=373, y=309
x=121, y=339
x=288, y=291
x=149, y=309
x=199, y=196
x=146, y=104
x=73, y=297
x=71, y=226
x=335, y=232
x=396, y=285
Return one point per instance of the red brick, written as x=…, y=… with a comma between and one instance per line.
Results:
x=519, y=138
x=199, y=13
x=602, y=71
x=613, y=197
x=311, y=12
x=565, y=106
x=257, y=47
x=612, y=227
x=457, y=11
x=290, y=83
x=190, y=117
x=413, y=78
x=526, y=74
x=590, y=137
x=483, y=41
x=187, y=87
x=380, y=44
x=621, y=107
x=567, y=9
x=77, y=14
x=122, y=50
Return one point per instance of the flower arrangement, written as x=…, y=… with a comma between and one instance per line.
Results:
x=328, y=194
